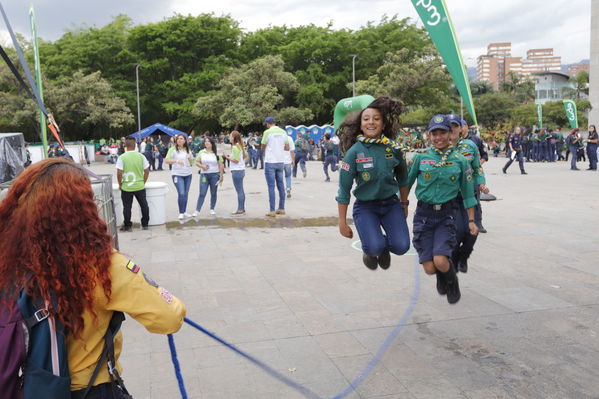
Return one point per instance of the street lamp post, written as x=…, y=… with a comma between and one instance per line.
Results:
x=137, y=65
x=353, y=70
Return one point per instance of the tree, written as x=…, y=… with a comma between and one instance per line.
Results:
x=522, y=89
x=249, y=93
x=480, y=87
x=493, y=108
x=580, y=85
x=418, y=78
x=555, y=115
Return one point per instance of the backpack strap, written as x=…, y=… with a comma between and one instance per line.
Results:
x=108, y=355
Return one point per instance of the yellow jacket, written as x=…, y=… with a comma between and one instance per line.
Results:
x=134, y=294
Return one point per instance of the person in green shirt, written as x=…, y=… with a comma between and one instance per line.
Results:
x=132, y=173
x=469, y=150
x=441, y=173
x=377, y=164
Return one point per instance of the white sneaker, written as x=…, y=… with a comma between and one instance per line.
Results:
x=195, y=214
x=187, y=215
x=212, y=212
x=181, y=216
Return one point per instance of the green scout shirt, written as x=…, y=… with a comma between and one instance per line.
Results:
x=133, y=171
x=375, y=169
x=469, y=150
x=442, y=184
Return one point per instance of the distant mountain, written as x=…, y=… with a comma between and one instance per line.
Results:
x=566, y=66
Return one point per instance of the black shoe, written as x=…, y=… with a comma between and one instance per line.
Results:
x=145, y=228
x=327, y=179
x=481, y=229
x=441, y=283
x=453, y=287
x=371, y=262
x=503, y=170
x=463, y=265
x=384, y=259
x=126, y=228
x=523, y=173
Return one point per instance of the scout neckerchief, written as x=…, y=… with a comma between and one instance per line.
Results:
x=383, y=140
x=444, y=155
x=386, y=141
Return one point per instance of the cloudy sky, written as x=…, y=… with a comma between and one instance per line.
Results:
x=565, y=26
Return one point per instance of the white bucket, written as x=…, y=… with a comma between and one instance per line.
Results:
x=156, y=197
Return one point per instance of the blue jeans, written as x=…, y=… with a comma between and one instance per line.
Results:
x=300, y=157
x=238, y=176
x=369, y=216
x=182, y=184
x=287, y=169
x=274, y=174
x=251, y=156
x=208, y=180
x=330, y=160
x=592, y=153
x=574, y=154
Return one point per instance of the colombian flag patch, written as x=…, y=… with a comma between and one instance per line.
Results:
x=132, y=267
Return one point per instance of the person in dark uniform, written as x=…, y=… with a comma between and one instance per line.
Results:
x=559, y=144
x=328, y=156
x=376, y=162
x=441, y=173
x=515, y=145
x=484, y=157
x=573, y=142
x=592, y=147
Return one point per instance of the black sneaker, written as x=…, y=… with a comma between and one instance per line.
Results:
x=384, y=259
x=126, y=228
x=371, y=262
x=481, y=228
x=145, y=228
x=453, y=286
x=441, y=283
x=463, y=265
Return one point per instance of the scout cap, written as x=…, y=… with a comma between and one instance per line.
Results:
x=269, y=119
x=438, y=122
x=455, y=119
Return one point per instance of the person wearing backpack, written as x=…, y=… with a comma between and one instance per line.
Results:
x=76, y=285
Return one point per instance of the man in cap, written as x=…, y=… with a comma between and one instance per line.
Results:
x=274, y=144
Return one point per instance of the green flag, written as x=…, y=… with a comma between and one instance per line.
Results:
x=38, y=77
x=437, y=22
x=571, y=113
x=540, y=115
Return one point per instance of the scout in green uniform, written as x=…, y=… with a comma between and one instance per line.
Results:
x=442, y=173
x=375, y=161
x=469, y=150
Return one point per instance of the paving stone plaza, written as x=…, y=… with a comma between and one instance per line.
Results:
x=295, y=294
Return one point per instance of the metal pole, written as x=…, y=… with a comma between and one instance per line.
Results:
x=461, y=107
x=137, y=85
x=353, y=69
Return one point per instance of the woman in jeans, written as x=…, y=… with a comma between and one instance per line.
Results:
x=211, y=173
x=237, y=159
x=181, y=159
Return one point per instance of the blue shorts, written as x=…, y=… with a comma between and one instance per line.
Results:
x=434, y=231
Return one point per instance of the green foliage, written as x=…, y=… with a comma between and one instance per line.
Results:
x=493, y=108
x=555, y=115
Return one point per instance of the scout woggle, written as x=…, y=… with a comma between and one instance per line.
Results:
x=306, y=392
x=434, y=13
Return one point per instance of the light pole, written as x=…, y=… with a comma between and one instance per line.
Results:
x=353, y=74
x=137, y=65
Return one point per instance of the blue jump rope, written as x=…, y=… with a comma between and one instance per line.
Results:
x=289, y=382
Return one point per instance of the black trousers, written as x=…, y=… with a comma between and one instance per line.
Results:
x=127, y=198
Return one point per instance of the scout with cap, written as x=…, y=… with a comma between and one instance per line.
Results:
x=464, y=240
x=441, y=173
x=484, y=157
x=375, y=161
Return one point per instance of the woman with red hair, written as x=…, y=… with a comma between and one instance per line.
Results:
x=55, y=247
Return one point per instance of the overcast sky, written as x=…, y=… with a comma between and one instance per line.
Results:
x=565, y=26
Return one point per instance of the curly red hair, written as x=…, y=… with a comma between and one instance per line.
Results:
x=52, y=241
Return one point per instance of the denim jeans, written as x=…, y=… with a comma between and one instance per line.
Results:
x=300, y=157
x=287, y=169
x=330, y=160
x=208, y=180
x=238, y=176
x=251, y=156
x=573, y=153
x=592, y=153
x=370, y=216
x=182, y=184
x=274, y=175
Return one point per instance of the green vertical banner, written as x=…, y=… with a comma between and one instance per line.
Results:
x=38, y=78
x=571, y=113
x=540, y=115
x=437, y=22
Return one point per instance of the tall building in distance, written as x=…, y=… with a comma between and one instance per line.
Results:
x=496, y=65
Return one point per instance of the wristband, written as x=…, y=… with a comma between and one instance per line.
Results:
x=471, y=221
x=405, y=202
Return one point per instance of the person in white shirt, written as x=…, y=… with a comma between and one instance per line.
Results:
x=211, y=174
x=274, y=144
x=289, y=155
x=181, y=158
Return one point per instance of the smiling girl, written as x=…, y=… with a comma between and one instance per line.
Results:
x=375, y=161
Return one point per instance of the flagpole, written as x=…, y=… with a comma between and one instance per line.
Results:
x=38, y=77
